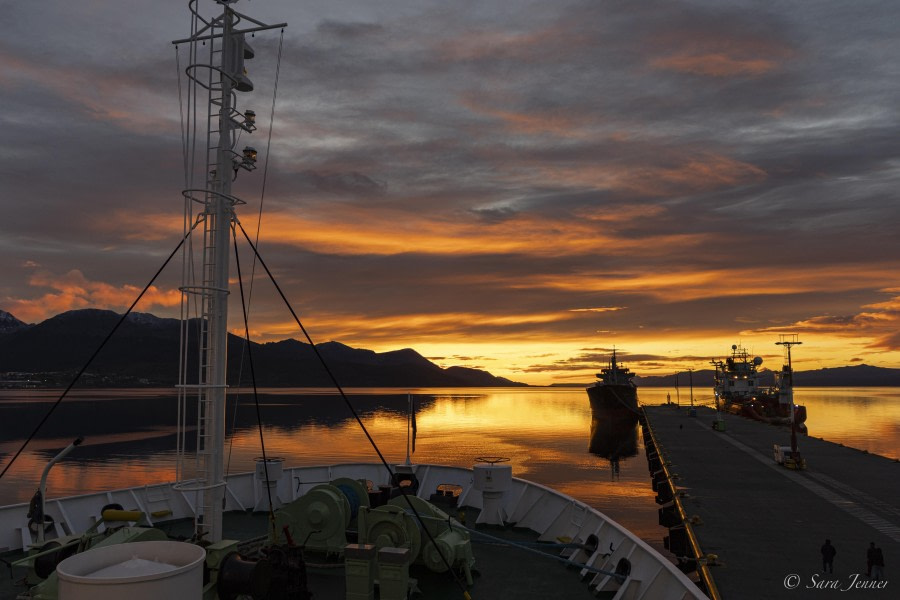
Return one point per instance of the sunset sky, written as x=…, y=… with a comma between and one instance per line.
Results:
x=507, y=185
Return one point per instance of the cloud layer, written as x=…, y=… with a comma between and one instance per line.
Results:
x=479, y=182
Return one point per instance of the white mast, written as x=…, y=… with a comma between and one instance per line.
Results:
x=217, y=235
x=787, y=381
x=221, y=78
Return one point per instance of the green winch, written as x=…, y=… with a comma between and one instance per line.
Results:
x=318, y=520
x=395, y=526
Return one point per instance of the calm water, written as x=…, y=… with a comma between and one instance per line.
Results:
x=545, y=432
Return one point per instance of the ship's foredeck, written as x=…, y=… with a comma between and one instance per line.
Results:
x=542, y=515
x=499, y=569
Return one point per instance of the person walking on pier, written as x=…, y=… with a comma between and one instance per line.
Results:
x=877, y=563
x=828, y=553
x=870, y=558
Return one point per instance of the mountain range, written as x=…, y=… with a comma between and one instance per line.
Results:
x=855, y=376
x=144, y=352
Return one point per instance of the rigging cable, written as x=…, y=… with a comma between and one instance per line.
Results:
x=179, y=437
x=262, y=441
x=185, y=121
x=365, y=431
x=93, y=356
x=189, y=153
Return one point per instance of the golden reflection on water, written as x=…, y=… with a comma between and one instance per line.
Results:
x=543, y=431
x=864, y=418
x=454, y=429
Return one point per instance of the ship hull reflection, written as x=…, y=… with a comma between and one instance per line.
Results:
x=614, y=436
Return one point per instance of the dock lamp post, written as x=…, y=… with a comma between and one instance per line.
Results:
x=692, y=411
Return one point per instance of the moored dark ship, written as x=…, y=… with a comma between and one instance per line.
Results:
x=614, y=394
x=738, y=391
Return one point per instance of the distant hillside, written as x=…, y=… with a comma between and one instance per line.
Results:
x=856, y=376
x=144, y=351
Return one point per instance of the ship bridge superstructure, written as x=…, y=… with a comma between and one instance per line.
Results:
x=615, y=374
x=737, y=377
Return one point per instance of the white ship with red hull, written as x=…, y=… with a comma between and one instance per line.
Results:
x=738, y=391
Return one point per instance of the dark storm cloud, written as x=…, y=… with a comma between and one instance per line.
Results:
x=349, y=183
x=494, y=215
x=347, y=31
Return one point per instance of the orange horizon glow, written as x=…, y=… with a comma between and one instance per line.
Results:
x=522, y=346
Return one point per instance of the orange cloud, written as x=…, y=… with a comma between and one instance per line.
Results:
x=880, y=324
x=553, y=122
x=676, y=286
x=101, y=95
x=343, y=326
x=719, y=283
x=891, y=306
x=623, y=212
x=531, y=46
x=73, y=291
x=151, y=228
x=714, y=65
x=710, y=171
x=701, y=173
x=386, y=232
x=348, y=230
x=700, y=52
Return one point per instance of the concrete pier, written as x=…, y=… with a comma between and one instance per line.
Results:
x=766, y=523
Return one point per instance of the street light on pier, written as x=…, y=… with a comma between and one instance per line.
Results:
x=691, y=382
x=677, y=391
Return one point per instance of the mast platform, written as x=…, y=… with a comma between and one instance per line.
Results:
x=766, y=523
